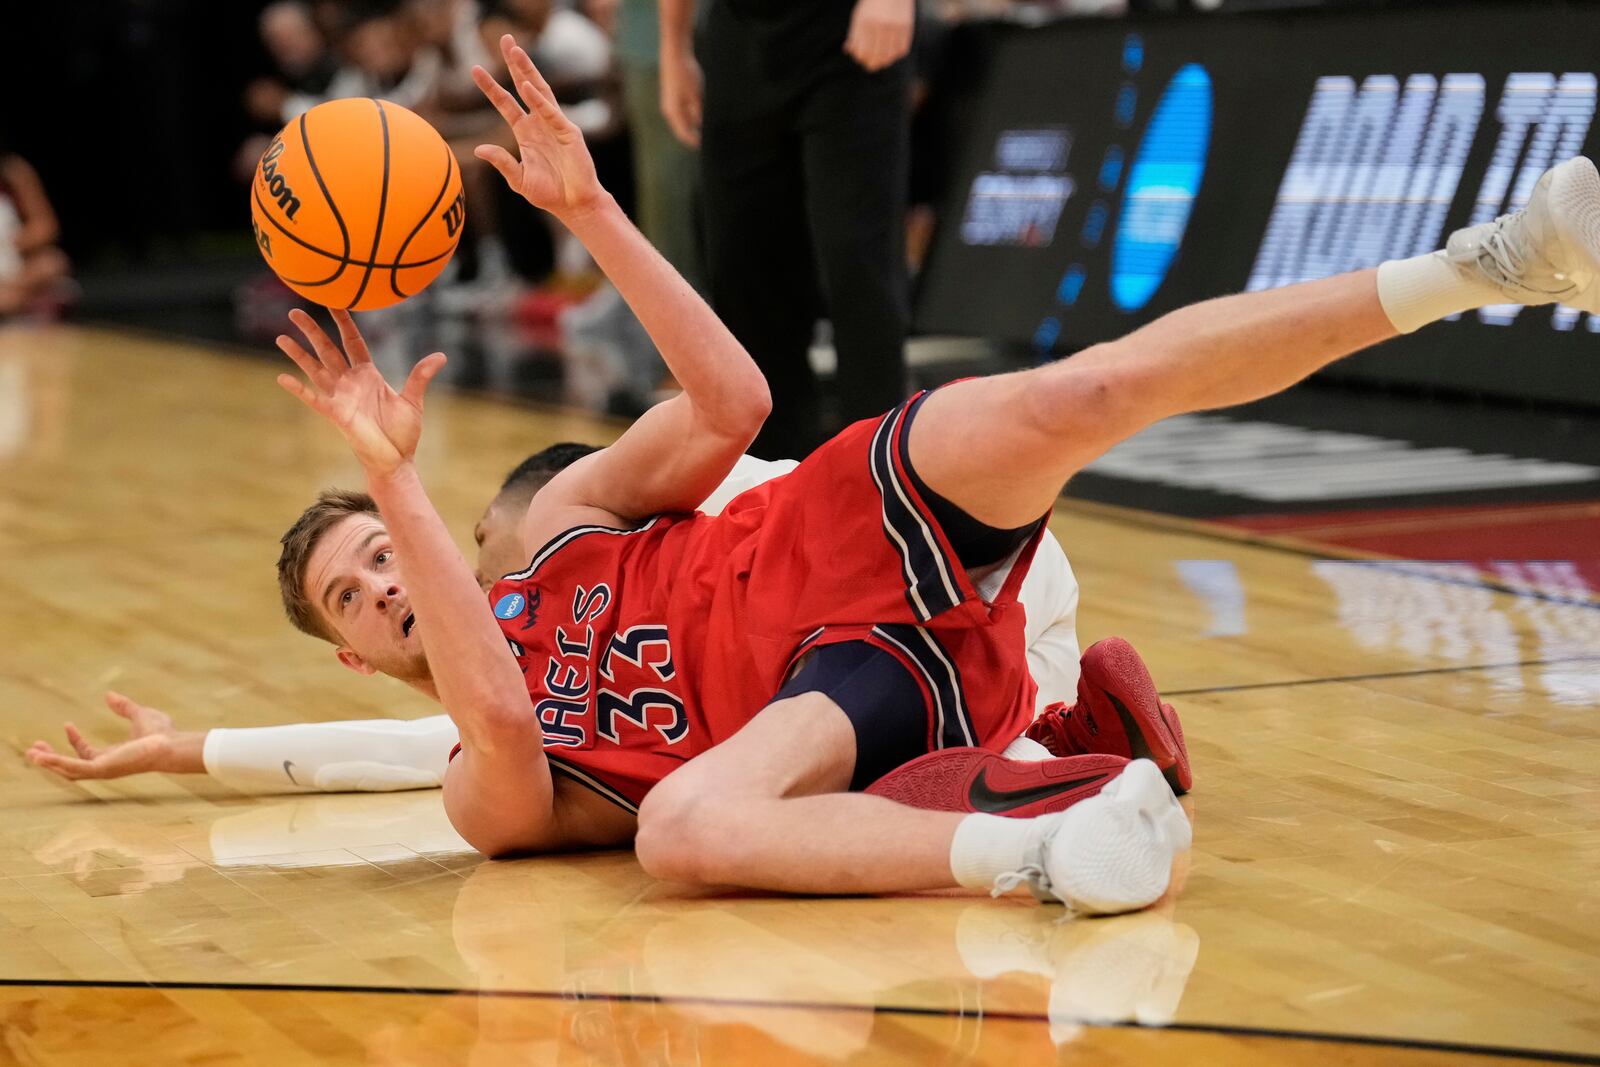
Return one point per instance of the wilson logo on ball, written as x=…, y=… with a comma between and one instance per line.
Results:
x=455, y=215
x=275, y=182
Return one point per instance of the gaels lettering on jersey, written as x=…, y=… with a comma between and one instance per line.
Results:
x=641, y=654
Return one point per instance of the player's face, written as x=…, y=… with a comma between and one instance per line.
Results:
x=499, y=538
x=354, y=582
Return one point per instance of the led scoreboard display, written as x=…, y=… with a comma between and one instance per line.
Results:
x=1110, y=171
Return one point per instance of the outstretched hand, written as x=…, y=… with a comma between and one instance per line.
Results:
x=555, y=171
x=381, y=425
x=148, y=747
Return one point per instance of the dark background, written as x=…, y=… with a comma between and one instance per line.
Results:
x=1263, y=68
x=130, y=110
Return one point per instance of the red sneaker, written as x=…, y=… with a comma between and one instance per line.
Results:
x=975, y=779
x=1118, y=712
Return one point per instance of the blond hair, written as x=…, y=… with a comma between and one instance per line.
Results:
x=331, y=507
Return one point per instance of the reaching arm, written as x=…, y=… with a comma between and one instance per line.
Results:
x=359, y=755
x=675, y=455
x=473, y=670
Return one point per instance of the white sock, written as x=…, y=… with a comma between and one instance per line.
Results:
x=1027, y=750
x=1424, y=289
x=987, y=846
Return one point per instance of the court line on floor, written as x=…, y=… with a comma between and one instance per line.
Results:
x=668, y=1000
x=1378, y=676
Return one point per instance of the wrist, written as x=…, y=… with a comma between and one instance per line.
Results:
x=380, y=482
x=182, y=752
x=595, y=209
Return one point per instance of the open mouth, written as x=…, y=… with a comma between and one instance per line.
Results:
x=405, y=627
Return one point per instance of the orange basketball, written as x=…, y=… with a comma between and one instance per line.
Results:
x=357, y=204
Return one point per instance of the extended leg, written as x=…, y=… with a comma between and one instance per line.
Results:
x=1001, y=448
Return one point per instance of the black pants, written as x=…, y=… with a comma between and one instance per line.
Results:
x=804, y=159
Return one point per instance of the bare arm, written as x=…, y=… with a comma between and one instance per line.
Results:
x=675, y=455
x=39, y=226
x=510, y=803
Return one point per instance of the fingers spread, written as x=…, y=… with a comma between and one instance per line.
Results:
x=423, y=373
x=79, y=744
x=523, y=70
x=355, y=346
x=551, y=113
x=502, y=161
x=65, y=766
x=503, y=101
x=118, y=703
x=308, y=364
x=297, y=389
x=328, y=352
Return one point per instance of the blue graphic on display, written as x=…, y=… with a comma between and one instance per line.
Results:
x=1127, y=104
x=508, y=606
x=1111, y=168
x=1071, y=285
x=1133, y=53
x=1162, y=184
x=1044, y=338
x=1094, y=224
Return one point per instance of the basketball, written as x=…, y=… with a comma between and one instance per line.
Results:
x=357, y=204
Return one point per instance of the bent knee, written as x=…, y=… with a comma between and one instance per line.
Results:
x=684, y=835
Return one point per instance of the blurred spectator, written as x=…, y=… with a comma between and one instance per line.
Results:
x=450, y=29
x=805, y=145
x=571, y=51
x=303, y=67
x=32, y=268
x=305, y=64
x=384, y=56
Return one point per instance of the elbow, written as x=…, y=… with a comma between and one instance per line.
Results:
x=760, y=406
x=740, y=413
x=753, y=407
x=499, y=725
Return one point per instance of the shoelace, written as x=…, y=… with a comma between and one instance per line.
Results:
x=1509, y=261
x=1069, y=730
x=1031, y=873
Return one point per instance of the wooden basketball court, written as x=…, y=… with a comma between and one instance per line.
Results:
x=1397, y=809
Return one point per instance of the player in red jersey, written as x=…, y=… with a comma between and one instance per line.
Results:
x=897, y=516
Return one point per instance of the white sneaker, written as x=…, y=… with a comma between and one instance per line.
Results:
x=1549, y=252
x=1111, y=853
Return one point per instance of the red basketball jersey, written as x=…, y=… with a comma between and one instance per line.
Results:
x=643, y=648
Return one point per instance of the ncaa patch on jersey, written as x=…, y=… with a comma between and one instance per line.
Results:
x=508, y=606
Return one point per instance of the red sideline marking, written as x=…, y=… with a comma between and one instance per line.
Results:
x=1568, y=532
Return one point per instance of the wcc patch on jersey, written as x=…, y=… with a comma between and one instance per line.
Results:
x=511, y=605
